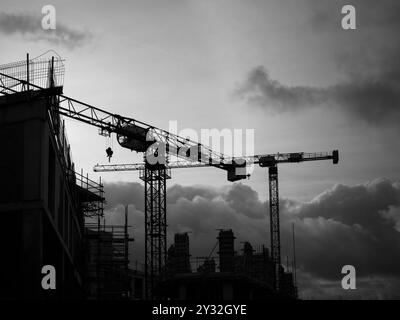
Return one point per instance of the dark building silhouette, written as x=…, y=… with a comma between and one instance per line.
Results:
x=248, y=276
x=137, y=283
x=40, y=202
x=208, y=266
x=226, y=250
x=108, y=275
x=178, y=254
x=54, y=216
x=43, y=207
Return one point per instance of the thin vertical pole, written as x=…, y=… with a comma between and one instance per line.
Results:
x=27, y=70
x=98, y=254
x=294, y=256
x=52, y=72
x=126, y=237
x=126, y=248
x=146, y=266
x=165, y=216
x=160, y=219
x=287, y=263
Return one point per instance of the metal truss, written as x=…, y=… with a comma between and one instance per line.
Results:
x=155, y=226
x=274, y=223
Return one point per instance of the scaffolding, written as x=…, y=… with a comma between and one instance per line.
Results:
x=91, y=195
x=108, y=260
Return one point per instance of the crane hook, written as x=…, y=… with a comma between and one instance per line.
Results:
x=109, y=153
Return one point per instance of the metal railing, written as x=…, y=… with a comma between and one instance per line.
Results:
x=39, y=72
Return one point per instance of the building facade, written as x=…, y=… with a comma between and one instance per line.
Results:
x=40, y=204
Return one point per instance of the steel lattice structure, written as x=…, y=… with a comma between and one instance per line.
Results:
x=269, y=161
x=141, y=137
x=131, y=133
x=155, y=225
x=274, y=223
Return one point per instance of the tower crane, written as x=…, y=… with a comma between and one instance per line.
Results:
x=156, y=144
x=269, y=161
x=43, y=80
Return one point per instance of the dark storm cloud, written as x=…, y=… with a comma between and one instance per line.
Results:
x=124, y=193
x=370, y=89
x=30, y=26
x=177, y=191
x=364, y=202
x=244, y=199
x=238, y=199
x=373, y=100
x=259, y=89
x=367, y=288
x=358, y=225
x=200, y=210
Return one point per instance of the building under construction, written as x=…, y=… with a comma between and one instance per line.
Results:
x=46, y=208
x=228, y=276
x=54, y=216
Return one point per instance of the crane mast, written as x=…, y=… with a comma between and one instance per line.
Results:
x=134, y=135
x=269, y=161
x=141, y=137
x=131, y=134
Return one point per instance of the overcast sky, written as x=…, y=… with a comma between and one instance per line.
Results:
x=283, y=68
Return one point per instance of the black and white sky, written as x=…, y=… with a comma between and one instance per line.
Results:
x=283, y=68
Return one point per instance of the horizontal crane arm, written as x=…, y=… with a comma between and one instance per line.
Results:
x=131, y=133
x=265, y=160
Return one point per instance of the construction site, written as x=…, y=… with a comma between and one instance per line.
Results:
x=54, y=215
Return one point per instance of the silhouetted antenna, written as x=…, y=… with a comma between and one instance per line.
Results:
x=294, y=257
x=287, y=264
x=27, y=70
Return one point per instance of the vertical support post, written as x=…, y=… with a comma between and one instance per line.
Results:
x=164, y=208
x=146, y=240
x=27, y=71
x=274, y=223
x=150, y=229
x=98, y=258
x=154, y=178
x=52, y=77
x=287, y=263
x=294, y=262
x=126, y=239
x=126, y=255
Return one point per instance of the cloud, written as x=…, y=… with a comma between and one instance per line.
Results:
x=357, y=225
x=124, y=193
x=372, y=100
x=30, y=27
x=200, y=210
x=260, y=89
x=374, y=288
x=369, y=89
x=392, y=213
x=187, y=192
x=245, y=200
